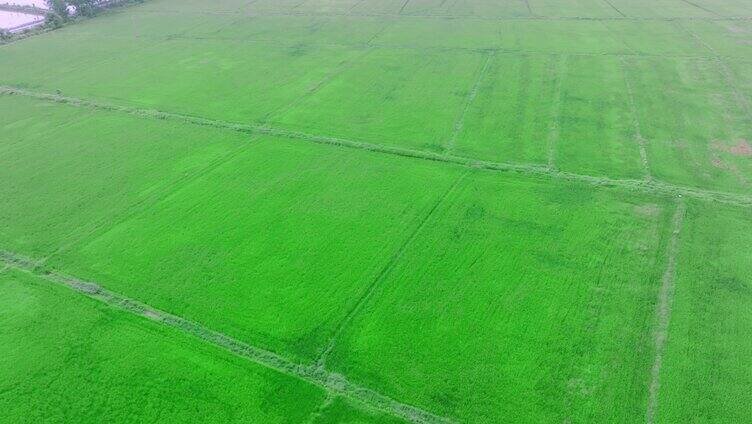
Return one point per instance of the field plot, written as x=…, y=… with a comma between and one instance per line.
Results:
x=303, y=31
x=371, y=211
x=596, y=134
x=706, y=374
x=739, y=72
x=394, y=97
x=662, y=8
x=240, y=82
x=559, y=37
x=539, y=303
x=570, y=8
x=61, y=349
x=204, y=7
x=730, y=8
x=725, y=39
x=482, y=8
x=68, y=171
x=281, y=241
x=152, y=25
x=698, y=133
x=514, y=112
x=654, y=38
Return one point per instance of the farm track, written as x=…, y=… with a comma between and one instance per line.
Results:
x=331, y=382
x=321, y=362
x=663, y=311
x=655, y=187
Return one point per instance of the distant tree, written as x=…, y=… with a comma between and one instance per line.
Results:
x=53, y=20
x=4, y=35
x=83, y=7
x=57, y=7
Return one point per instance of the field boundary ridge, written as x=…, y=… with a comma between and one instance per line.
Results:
x=331, y=382
x=652, y=186
x=663, y=311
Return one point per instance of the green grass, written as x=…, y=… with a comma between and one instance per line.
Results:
x=706, y=376
x=475, y=295
x=341, y=411
x=661, y=9
x=539, y=302
x=68, y=171
x=392, y=97
x=511, y=119
x=596, y=131
x=240, y=82
x=65, y=358
x=273, y=247
x=692, y=124
x=569, y=8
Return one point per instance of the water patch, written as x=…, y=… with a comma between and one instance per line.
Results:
x=15, y=21
x=35, y=3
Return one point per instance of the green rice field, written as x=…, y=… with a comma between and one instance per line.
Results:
x=379, y=211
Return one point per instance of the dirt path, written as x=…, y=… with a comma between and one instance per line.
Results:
x=663, y=311
x=333, y=383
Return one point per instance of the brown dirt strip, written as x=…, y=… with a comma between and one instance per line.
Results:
x=651, y=187
x=331, y=382
x=663, y=311
x=321, y=362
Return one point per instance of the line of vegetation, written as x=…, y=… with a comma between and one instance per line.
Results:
x=652, y=186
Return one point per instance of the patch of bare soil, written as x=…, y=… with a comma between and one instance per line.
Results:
x=649, y=209
x=719, y=163
x=741, y=148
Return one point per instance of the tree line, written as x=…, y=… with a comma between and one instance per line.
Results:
x=60, y=11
